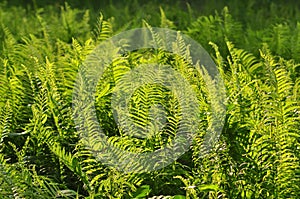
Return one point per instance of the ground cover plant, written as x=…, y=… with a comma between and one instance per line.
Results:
x=256, y=47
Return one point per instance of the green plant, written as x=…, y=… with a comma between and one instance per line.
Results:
x=257, y=54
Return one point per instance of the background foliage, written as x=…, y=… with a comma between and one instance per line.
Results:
x=256, y=46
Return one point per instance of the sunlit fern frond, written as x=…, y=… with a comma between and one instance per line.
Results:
x=103, y=29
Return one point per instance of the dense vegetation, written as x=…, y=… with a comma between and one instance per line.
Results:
x=256, y=47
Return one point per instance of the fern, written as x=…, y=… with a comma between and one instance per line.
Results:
x=103, y=29
x=256, y=52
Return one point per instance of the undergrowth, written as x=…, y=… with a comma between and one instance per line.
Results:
x=257, y=155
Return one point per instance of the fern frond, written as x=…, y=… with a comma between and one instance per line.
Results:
x=103, y=29
x=165, y=22
x=71, y=162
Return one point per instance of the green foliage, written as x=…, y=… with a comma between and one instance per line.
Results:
x=257, y=155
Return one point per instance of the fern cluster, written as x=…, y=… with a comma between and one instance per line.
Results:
x=257, y=155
